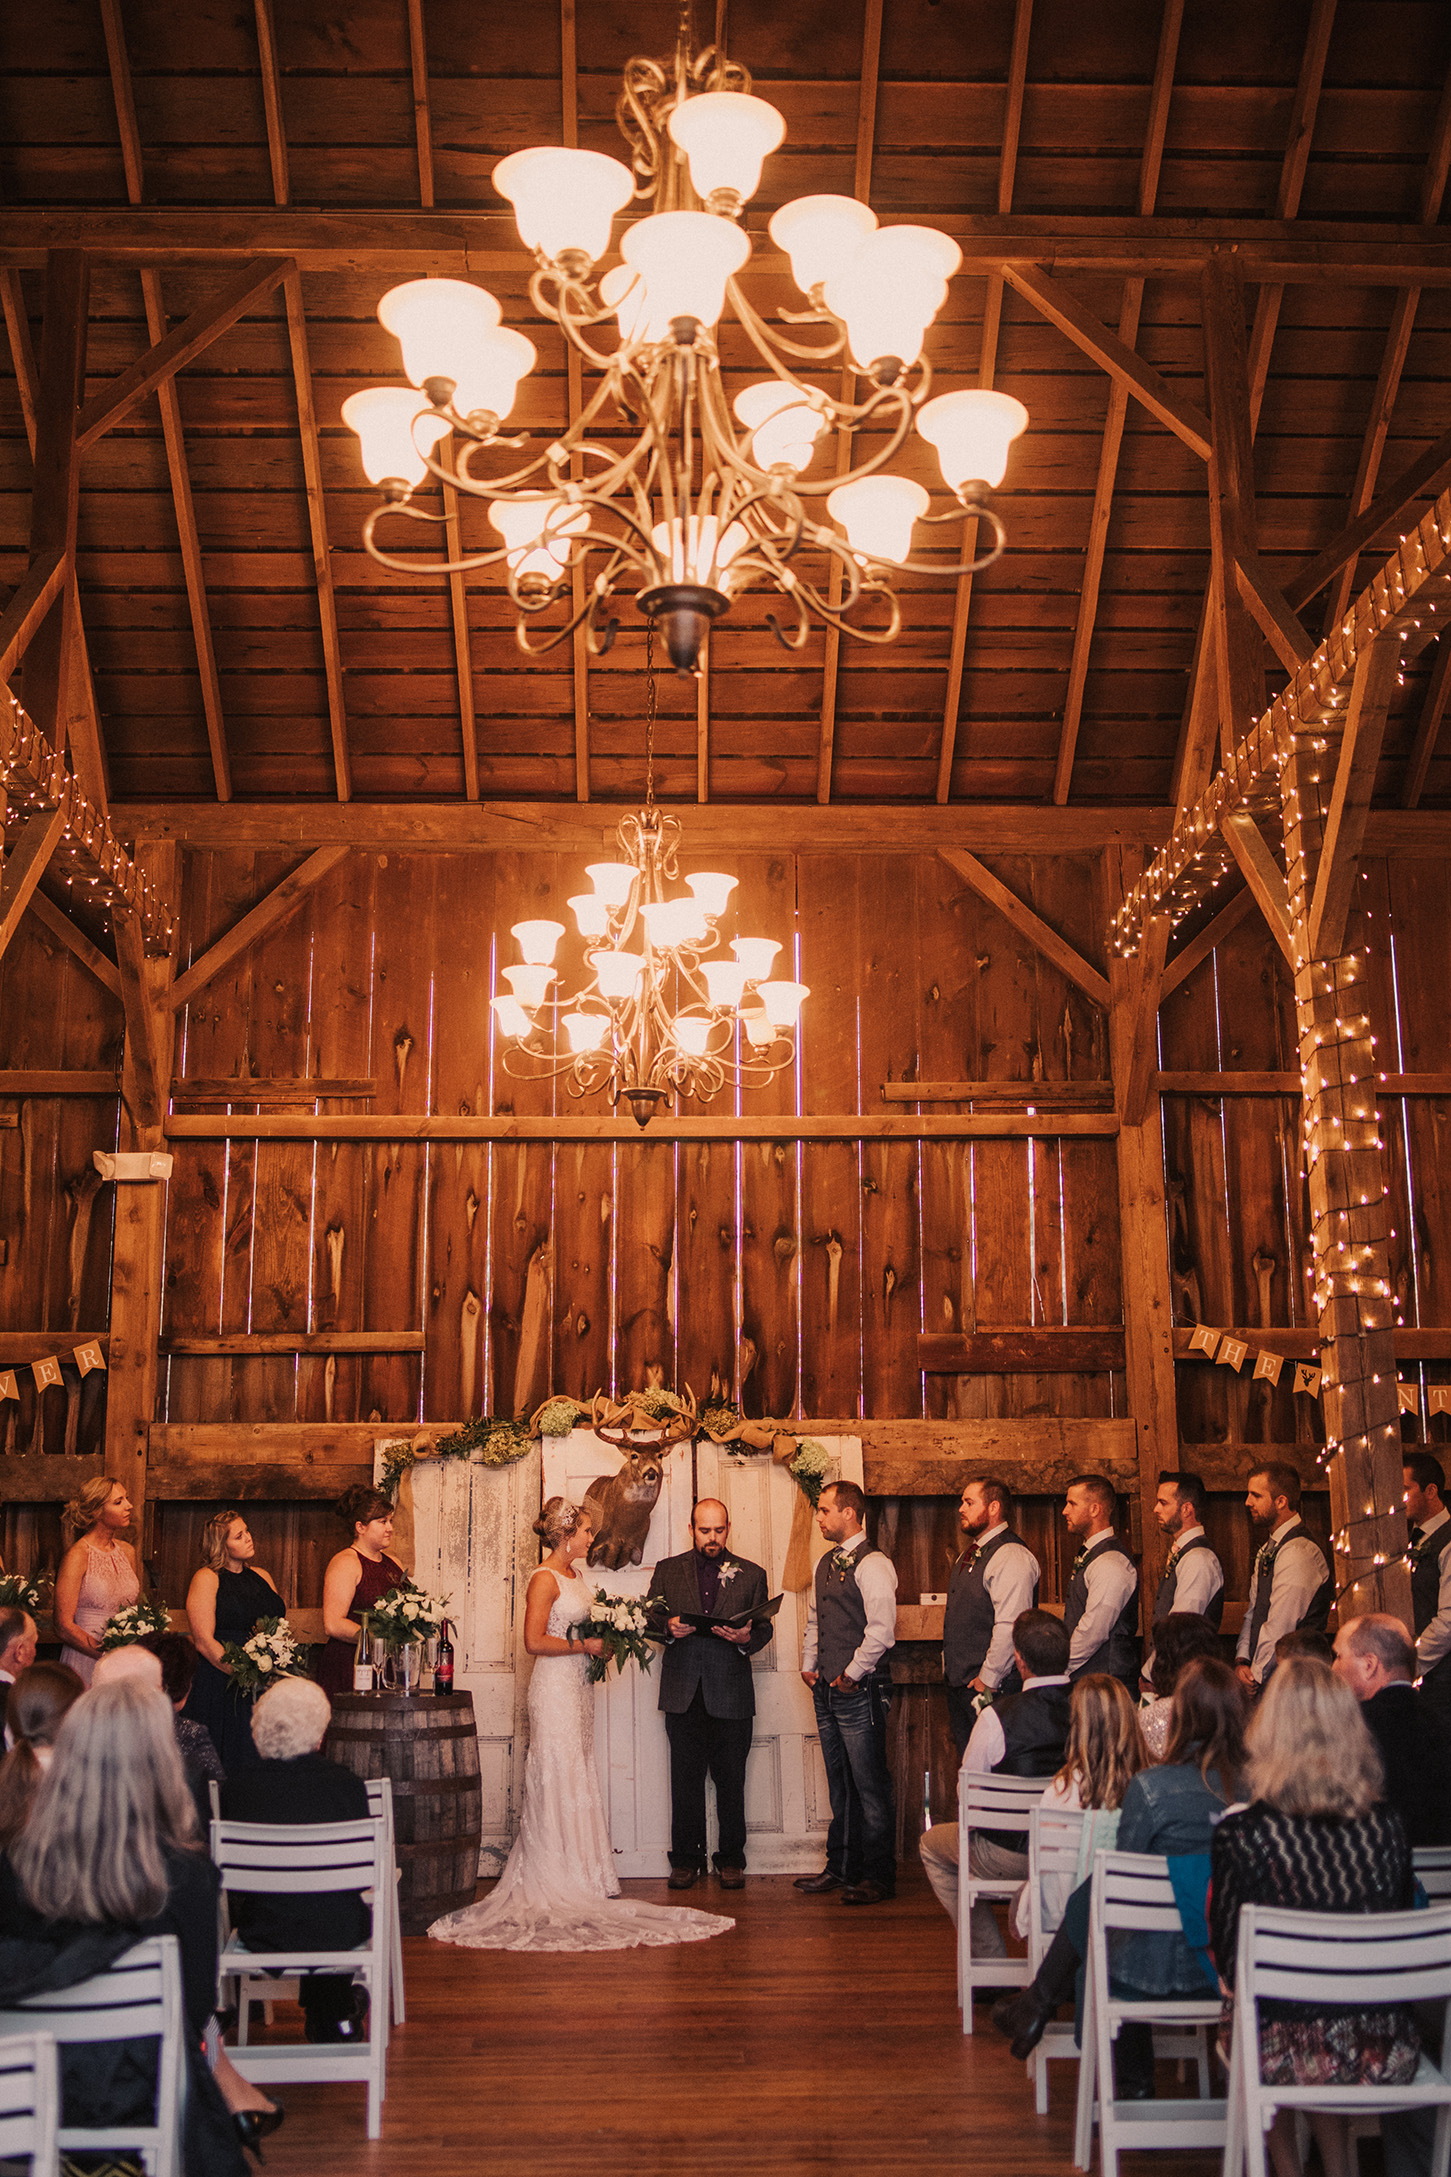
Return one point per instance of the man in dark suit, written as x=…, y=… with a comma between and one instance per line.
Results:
x=707, y=1693
x=1374, y=1656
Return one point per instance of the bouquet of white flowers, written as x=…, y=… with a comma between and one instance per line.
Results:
x=622, y=1623
x=406, y=1614
x=134, y=1623
x=811, y=1469
x=19, y=1593
x=271, y=1651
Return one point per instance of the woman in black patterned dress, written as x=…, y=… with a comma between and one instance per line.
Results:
x=226, y=1598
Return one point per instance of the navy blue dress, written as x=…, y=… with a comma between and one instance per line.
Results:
x=221, y=1708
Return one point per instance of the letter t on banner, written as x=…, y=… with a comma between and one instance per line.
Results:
x=1204, y=1340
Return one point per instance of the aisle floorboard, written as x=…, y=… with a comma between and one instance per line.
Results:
x=812, y=2037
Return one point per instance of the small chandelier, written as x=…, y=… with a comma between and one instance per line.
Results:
x=657, y=1018
x=710, y=497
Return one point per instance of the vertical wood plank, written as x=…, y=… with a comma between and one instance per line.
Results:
x=770, y=1189
x=887, y=954
x=831, y=1183
x=458, y=1223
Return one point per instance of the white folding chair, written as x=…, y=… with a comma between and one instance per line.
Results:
x=1132, y=1893
x=1432, y=1864
x=1335, y=1961
x=312, y=1859
x=989, y=1801
x=137, y=1998
x=1054, y=1835
x=30, y=2101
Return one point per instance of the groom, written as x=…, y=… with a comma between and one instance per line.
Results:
x=707, y=1693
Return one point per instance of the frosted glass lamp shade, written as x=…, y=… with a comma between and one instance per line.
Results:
x=623, y=291
x=783, y=1002
x=759, y=1032
x=530, y=984
x=673, y=922
x=512, y=1018
x=726, y=982
x=438, y=325
x=685, y=259
x=972, y=433
x=891, y=291
x=537, y=532
x=564, y=200
x=712, y=889
x=756, y=955
x=586, y=1031
x=699, y=553
x=617, y=974
x=537, y=940
x=877, y=513
x=489, y=380
x=384, y=419
x=820, y=235
x=591, y=914
x=612, y=880
x=725, y=135
x=784, y=429
x=692, y=1033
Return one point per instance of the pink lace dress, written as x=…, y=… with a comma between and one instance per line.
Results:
x=108, y=1584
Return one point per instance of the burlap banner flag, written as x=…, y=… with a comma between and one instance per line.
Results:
x=1204, y=1340
x=1438, y=1398
x=1308, y=1379
x=9, y=1388
x=45, y=1372
x=88, y=1357
x=1233, y=1353
x=1408, y=1397
x=1268, y=1367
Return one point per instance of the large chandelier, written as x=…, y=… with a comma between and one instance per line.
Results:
x=655, y=1017
x=709, y=496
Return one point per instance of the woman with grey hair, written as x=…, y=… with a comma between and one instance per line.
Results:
x=293, y=1781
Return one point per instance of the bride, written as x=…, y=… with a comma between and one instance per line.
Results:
x=559, y=1889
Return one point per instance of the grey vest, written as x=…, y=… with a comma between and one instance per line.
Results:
x=1262, y=1587
x=1119, y=1653
x=1164, y=1600
x=841, y=1617
x=967, y=1628
x=1426, y=1562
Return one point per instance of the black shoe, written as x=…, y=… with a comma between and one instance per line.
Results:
x=1022, y=2018
x=684, y=1878
x=1135, y=2090
x=867, y=1893
x=815, y=1885
x=252, y=2126
x=348, y=2029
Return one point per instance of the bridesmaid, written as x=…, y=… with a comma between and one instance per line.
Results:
x=356, y=1578
x=228, y=1594
x=97, y=1575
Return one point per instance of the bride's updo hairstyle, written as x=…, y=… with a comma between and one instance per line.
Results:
x=558, y=1519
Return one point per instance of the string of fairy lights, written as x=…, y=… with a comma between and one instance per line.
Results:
x=88, y=855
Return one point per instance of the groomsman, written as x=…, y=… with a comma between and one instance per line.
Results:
x=1193, y=1577
x=992, y=1583
x=707, y=1693
x=851, y=1627
x=1290, y=1587
x=1430, y=1525
x=1101, y=1608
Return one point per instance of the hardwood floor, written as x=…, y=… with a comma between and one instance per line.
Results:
x=812, y=2037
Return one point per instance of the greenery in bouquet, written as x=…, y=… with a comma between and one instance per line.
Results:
x=660, y=1405
x=811, y=1469
x=271, y=1651
x=488, y=1441
x=622, y=1623
x=406, y=1614
x=133, y=1624
x=720, y=1418
x=557, y=1416
x=18, y=1591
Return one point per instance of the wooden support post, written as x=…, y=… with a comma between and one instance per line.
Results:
x=1239, y=679
x=25, y=866
x=1349, y=1217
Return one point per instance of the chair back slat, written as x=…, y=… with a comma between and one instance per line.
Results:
x=126, y=2003
x=283, y=1858
x=988, y=1801
x=29, y=2098
x=1432, y=1863
x=1350, y=1961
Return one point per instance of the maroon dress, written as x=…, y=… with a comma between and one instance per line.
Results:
x=335, y=1670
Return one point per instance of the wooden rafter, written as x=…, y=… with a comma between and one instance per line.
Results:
x=572, y=1126
x=1183, y=964
x=1287, y=197
x=25, y=866
x=422, y=121
x=279, y=903
x=1428, y=726
x=1028, y=923
x=1355, y=769
x=992, y=322
x=1118, y=403
x=1263, y=875
x=179, y=347
x=1285, y=633
x=574, y=386
x=463, y=657
x=60, y=926
x=1421, y=480
x=31, y=600
x=1233, y=528
x=272, y=100
x=317, y=524
x=1052, y=301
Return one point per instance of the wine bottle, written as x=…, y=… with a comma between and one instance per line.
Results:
x=443, y=1666
x=362, y=1666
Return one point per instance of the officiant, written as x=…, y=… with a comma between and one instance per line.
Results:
x=707, y=1693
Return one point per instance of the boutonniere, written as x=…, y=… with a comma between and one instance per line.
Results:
x=841, y=1564
x=728, y=1572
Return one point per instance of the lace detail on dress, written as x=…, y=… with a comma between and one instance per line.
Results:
x=559, y=1889
x=108, y=1584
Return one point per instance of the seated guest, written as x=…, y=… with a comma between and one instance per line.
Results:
x=199, y=1756
x=1374, y=1657
x=1105, y=1752
x=34, y=1706
x=1024, y=1735
x=132, y=1661
x=1171, y=1809
x=111, y=1848
x=1318, y=1646
x=295, y=1782
x=17, y=1643
x=1316, y=1837
x=1178, y=1639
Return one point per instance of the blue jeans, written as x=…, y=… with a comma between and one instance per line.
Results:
x=861, y=1843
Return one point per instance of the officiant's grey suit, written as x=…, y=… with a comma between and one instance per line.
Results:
x=708, y=1698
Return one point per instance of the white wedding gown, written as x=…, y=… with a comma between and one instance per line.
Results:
x=559, y=1889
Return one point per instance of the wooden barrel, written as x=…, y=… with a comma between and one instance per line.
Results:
x=428, y=1746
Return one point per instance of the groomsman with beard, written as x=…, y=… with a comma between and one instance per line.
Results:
x=707, y=1693
x=992, y=1583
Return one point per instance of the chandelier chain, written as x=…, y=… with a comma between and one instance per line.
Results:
x=650, y=714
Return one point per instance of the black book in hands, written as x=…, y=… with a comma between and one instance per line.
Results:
x=737, y=1623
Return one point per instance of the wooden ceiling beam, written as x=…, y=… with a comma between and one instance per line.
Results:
x=25, y=865
x=1282, y=629
x=181, y=346
x=272, y=100
x=1428, y=726
x=422, y=120
x=849, y=1126
x=317, y=524
x=58, y=924
x=1355, y=769
x=1111, y=443
x=1233, y=529
x=1263, y=875
x=283, y=900
x=1182, y=966
x=1423, y=479
x=1287, y=198
x=574, y=387
x=992, y=323
x=463, y=656
x=30, y=601
x=1028, y=924
x=1094, y=338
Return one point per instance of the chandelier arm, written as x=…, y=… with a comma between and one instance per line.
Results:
x=551, y=641
x=766, y=340
x=798, y=641
x=466, y=565
x=877, y=636
x=826, y=485
x=966, y=566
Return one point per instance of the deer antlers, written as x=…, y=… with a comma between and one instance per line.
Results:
x=644, y=1413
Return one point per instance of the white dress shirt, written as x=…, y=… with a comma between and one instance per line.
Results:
x=1198, y=1578
x=1111, y=1578
x=876, y=1581
x=1435, y=1641
x=1011, y=1579
x=1299, y=1571
x=987, y=1745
